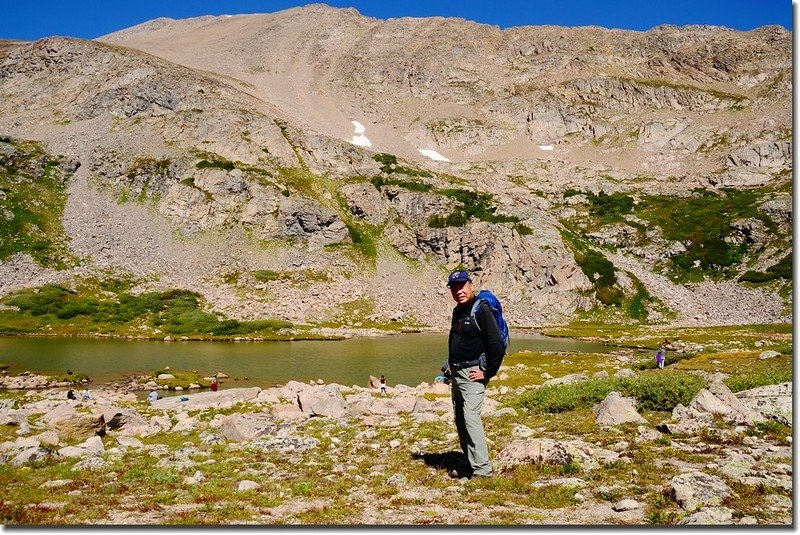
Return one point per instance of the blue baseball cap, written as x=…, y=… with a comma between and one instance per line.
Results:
x=458, y=275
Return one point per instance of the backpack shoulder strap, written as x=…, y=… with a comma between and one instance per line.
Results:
x=474, y=312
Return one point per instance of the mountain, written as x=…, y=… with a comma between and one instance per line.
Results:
x=325, y=168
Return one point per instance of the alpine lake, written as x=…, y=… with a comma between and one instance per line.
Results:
x=408, y=359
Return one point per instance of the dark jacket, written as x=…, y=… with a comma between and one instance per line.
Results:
x=466, y=342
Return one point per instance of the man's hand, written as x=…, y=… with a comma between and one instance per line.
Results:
x=476, y=375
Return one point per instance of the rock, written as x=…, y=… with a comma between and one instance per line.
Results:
x=64, y=411
x=772, y=401
x=374, y=382
x=247, y=485
x=240, y=427
x=55, y=483
x=567, y=379
x=396, y=480
x=537, y=451
x=81, y=426
x=198, y=477
x=90, y=463
x=616, y=409
x=48, y=438
x=328, y=402
x=165, y=376
x=288, y=412
x=627, y=504
x=117, y=418
x=625, y=372
x=711, y=516
x=32, y=454
x=737, y=465
x=222, y=399
x=694, y=490
x=129, y=442
x=718, y=399
x=92, y=447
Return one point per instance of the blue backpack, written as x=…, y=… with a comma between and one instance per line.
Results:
x=485, y=296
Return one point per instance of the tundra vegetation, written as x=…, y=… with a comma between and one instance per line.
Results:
x=362, y=472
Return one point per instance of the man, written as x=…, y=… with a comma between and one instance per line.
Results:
x=475, y=355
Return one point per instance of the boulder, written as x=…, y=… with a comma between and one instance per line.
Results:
x=92, y=447
x=627, y=504
x=325, y=402
x=222, y=399
x=616, y=409
x=768, y=355
x=117, y=418
x=240, y=427
x=771, y=401
x=537, y=451
x=718, y=399
x=246, y=485
x=695, y=490
x=38, y=453
x=81, y=426
x=711, y=516
x=61, y=412
x=288, y=412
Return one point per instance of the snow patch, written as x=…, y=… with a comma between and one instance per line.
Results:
x=433, y=155
x=359, y=138
x=546, y=147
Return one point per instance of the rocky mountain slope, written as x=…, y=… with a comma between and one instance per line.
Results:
x=281, y=166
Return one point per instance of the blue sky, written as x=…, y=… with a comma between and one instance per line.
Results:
x=32, y=19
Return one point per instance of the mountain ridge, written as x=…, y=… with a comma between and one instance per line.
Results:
x=257, y=143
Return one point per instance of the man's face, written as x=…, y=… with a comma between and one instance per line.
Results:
x=462, y=292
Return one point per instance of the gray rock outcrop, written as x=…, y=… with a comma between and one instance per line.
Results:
x=616, y=409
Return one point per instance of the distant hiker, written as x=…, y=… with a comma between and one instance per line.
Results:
x=85, y=395
x=476, y=349
x=153, y=396
x=71, y=395
x=214, y=384
x=383, y=385
x=661, y=356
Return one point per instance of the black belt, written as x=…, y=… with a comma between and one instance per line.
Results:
x=468, y=364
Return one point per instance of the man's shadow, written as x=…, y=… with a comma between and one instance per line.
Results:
x=449, y=460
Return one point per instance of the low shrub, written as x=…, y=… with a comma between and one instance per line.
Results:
x=781, y=270
x=173, y=311
x=654, y=392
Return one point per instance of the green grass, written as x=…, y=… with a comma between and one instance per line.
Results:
x=173, y=312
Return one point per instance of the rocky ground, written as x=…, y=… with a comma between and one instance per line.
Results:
x=333, y=454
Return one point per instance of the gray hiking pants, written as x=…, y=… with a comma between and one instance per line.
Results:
x=467, y=404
